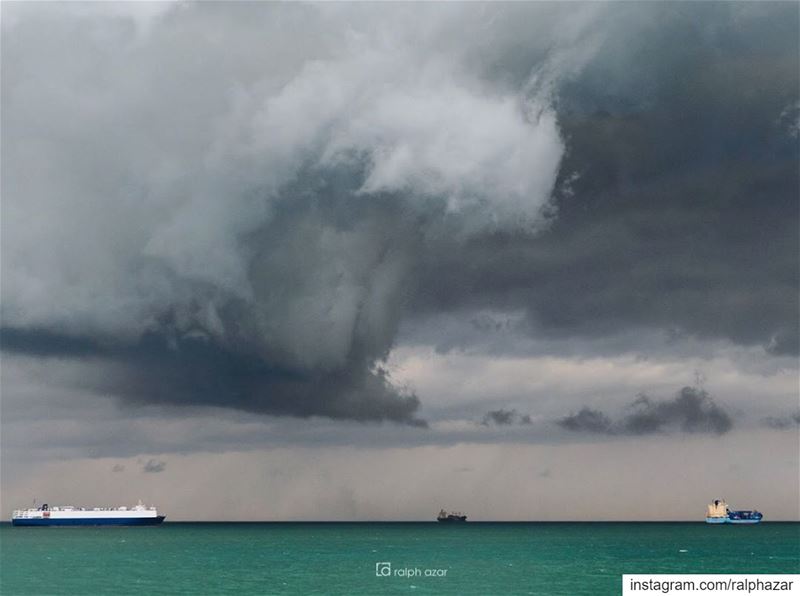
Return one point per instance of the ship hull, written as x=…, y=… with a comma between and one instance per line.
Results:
x=96, y=521
x=727, y=520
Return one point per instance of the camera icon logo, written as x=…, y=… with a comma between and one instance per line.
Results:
x=383, y=569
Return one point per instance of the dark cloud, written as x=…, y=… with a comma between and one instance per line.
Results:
x=503, y=417
x=319, y=359
x=197, y=371
x=692, y=411
x=245, y=229
x=785, y=343
x=677, y=198
x=587, y=420
x=153, y=466
x=43, y=342
x=783, y=422
x=499, y=417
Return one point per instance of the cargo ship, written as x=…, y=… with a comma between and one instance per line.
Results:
x=719, y=513
x=445, y=517
x=67, y=515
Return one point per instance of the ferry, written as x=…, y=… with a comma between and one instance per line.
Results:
x=719, y=513
x=68, y=515
x=445, y=517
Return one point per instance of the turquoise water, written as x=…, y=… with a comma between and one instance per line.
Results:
x=319, y=558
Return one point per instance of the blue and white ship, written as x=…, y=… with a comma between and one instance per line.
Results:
x=68, y=515
x=719, y=513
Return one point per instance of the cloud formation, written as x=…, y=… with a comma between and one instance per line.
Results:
x=503, y=417
x=783, y=422
x=691, y=411
x=587, y=420
x=665, y=221
x=254, y=217
x=240, y=206
x=154, y=466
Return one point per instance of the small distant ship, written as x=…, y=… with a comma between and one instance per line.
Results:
x=719, y=513
x=68, y=515
x=454, y=517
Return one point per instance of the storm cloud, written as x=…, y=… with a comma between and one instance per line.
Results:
x=243, y=228
x=240, y=205
x=676, y=200
x=691, y=410
x=503, y=417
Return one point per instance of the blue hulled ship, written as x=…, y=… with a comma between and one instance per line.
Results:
x=719, y=513
x=68, y=515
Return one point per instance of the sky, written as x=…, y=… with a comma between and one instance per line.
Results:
x=338, y=261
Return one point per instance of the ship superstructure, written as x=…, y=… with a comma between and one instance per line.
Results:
x=68, y=515
x=717, y=512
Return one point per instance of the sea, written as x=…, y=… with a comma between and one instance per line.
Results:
x=380, y=558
